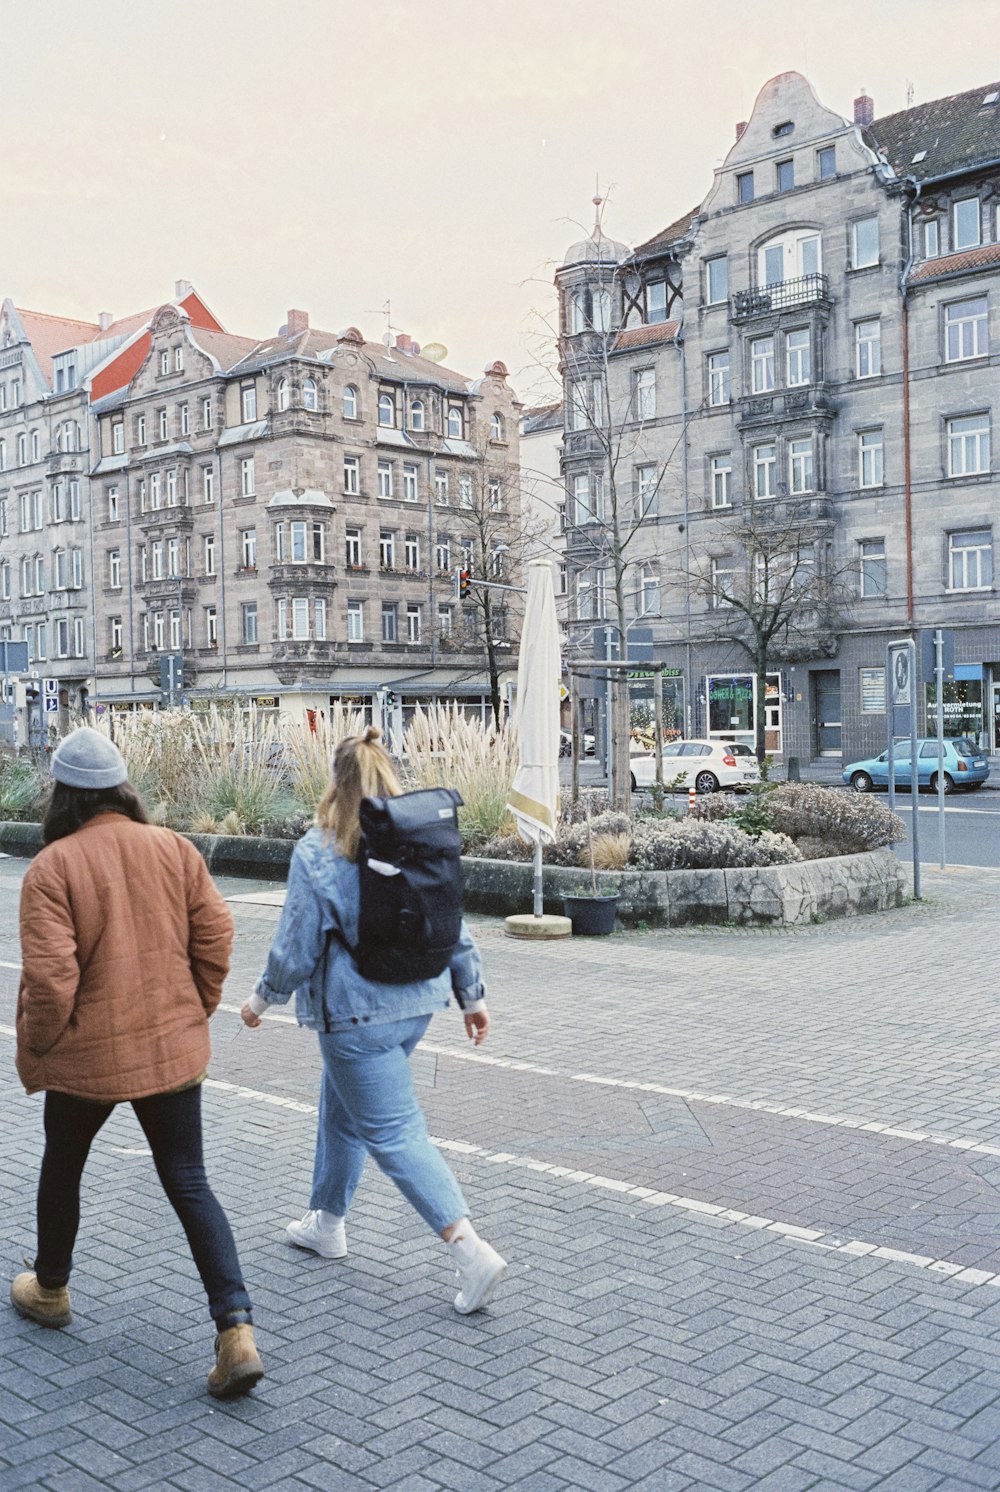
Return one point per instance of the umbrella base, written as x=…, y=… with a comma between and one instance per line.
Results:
x=524, y=925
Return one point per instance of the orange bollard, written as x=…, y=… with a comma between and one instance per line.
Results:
x=692, y=799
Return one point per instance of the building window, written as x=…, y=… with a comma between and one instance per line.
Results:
x=446, y=620
x=411, y=552
x=350, y=402
x=761, y=366
x=248, y=622
x=873, y=571
x=164, y=424
x=386, y=410
x=721, y=473
x=248, y=403
x=798, y=358
x=800, y=466
x=968, y=445
x=352, y=475
x=656, y=302
x=115, y=569
x=791, y=256
x=319, y=619
x=140, y=430
x=965, y=330
x=172, y=487
x=601, y=310
x=178, y=358
x=826, y=162
x=646, y=484
x=868, y=348
x=723, y=578
x=494, y=495
x=386, y=550
x=3, y=455
x=717, y=280
x=718, y=378
x=496, y=428
x=5, y=580
x=248, y=480
x=248, y=548
x=174, y=556
x=114, y=510
x=970, y=560
x=300, y=618
x=156, y=491
x=465, y=492
x=414, y=614
x=211, y=627
x=319, y=542
x=208, y=484
x=588, y=493
x=649, y=592
x=389, y=632
x=385, y=479
x=416, y=414
x=310, y=394
x=281, y=619
x=765, y=470
x=744, y=186
x=282, y=394
x=966, y=224
x=644, y=393
x=297, y=536
x=22, y=449
x=784, y=175
x=932, y=238
x=410, y=488
x=116, y=634
x=352, y=548
x=577, y=314
x=864, y=243
x=206, y=414
x=456, y=422
x=165, y=361
x=441, y=488
x=355, y=621
x=871, y=458
x=117, y=439
x=185, y=414
x=442, y=553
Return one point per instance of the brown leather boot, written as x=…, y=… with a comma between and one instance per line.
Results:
x=36, y=1303
x=237, y=1363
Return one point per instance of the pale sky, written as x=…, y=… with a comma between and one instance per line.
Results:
x=440, y=154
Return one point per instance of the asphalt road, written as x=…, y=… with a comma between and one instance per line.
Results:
x=971, y=828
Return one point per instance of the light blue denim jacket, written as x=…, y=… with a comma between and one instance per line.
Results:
x=330, y=994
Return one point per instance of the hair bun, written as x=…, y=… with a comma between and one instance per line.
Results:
x=371, y=733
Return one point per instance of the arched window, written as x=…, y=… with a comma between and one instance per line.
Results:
x=22, y=450
x=350, y=402
x=310, y=394
x=416, y=414
x=577, y=313
x=792, y=255
x=386, y=409
x=36, y=445
x=496, y=427
x=71, y=436
x=282, y=393
x=456, y=422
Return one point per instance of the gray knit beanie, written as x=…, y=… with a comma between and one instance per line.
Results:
x=85, y=758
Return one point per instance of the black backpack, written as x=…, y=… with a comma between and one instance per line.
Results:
x=410, y=866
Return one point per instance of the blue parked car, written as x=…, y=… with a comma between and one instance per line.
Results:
x=964, y=766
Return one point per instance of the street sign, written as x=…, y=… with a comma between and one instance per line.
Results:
x=928, y=660
x=900, y=676
x=13, y=656
x=563, y=694
x=51, y=703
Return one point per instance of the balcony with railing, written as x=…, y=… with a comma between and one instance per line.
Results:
x=765, y=300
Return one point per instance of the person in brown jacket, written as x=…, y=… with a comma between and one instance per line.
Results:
x=125, y=945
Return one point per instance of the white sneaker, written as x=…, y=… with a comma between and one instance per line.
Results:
x=480, y=1270
x=323, y=1232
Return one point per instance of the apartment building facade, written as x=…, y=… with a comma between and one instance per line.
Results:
x=816, y=344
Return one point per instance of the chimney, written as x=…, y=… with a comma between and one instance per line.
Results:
x=181, y=289
x=104, y=320
x=405, y=343
x=864, y=110
x=740, y=128
x=298, y=321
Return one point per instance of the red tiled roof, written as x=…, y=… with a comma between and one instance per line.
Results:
x=51, y=334
x=642, y=336
x=952, y=264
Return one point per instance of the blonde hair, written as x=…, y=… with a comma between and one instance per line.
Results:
x=361, y=769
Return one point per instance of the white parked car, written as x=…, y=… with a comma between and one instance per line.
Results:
x=705, y=765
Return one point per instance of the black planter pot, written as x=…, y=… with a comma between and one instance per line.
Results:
x=591, y=916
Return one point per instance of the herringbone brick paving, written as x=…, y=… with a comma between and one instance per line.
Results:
x=635, y=1345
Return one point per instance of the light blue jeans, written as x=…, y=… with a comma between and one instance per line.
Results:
x=367, y=1106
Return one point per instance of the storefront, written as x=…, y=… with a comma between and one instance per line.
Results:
x=964, y=707
x=731, y=709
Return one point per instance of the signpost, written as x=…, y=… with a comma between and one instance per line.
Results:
x=50, y=696
x=943, y=653
x=901, y=718
x=14, y=660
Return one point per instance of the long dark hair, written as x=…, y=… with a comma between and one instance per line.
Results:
x=70, y=807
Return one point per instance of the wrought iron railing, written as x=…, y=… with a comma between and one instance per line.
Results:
x=760, y=300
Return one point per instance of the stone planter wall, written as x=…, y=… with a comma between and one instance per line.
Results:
x=775, y=895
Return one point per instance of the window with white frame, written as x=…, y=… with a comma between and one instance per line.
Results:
x=310, y=394
x=115, y=569
x=279, y=543
x=966, y=329
x=416, y=414
x=864, y=243
x=3, y=455
x=164, y=424
x=601, y=310
x=42, y=644
x=385, y=479
x=588, y=492
x=156, y=490
x=248, y=403
x=319, y=619
x=248, y=548
x=446, y=620
x=496, y=427
x=185, y=415
x=968, y=445
x=248, y=622
x=116, y=634
x=932, y=238
x=206, y=414
x=798, y=357
x=456, y=422
x=765, y=470
x=114, y=505
x=871, y=458
x=801, y=476
x=966, y=224
x=872, y=562
x=140, y=430
x=352, y=548
x=717, y=280
x=718, y=378
x=970, y=560
x=578, y=413
x=165, y=361
x=298, y=532
x=411, y=552
x=300, y=618
x=350, y=402
x=656, y=302
x=355, y=621
x=178, y=358
x=248, y=477
x=494, y=494
x=57, y=503
x=4, y=580
x=174, y=557
x=22, y=449
x=283, y=393
x=577, y=313
x=441, y=488
x=318, y=537
x=723, y=583
x=789, y=256
x=352, y=475
x=208, y=484
x=389, y=628
x=28, y=636
x=761, y=365
x=387, y=550
x=15, y=392
x=644, y=394
x=386, y=410
x=211, y=627
x=868, y=348
x=411, y=491
x=649, y=591
x=442, y=552
x=465, y=492
x=3, y=518
x=721, y=478
x=172, y=487
x=281, y=619
x=646, y=480
x=589, y=595
x=414, y=616
x=36, y=446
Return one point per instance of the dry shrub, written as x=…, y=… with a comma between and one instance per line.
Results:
x=442, y=747
x=309, y=754
x=847, y=823
x=690, y=844
x=570, y=847
x=611, y=851
x=203, y=823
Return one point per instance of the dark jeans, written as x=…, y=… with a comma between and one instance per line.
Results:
x=171, y=1123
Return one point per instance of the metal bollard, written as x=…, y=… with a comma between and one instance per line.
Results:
x=692, y=799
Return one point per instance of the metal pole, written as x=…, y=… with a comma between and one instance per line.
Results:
x=608, y=746
x=911, y=649
x=576, y=737
x=939, y=711
x=658, y=721
x=538, y=877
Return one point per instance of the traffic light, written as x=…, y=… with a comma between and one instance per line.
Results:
x=464, y=584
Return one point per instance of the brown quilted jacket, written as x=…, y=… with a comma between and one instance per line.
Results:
x=125, y=943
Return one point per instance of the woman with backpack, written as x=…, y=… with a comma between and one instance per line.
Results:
x=125, y=944
x=367, y=1031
